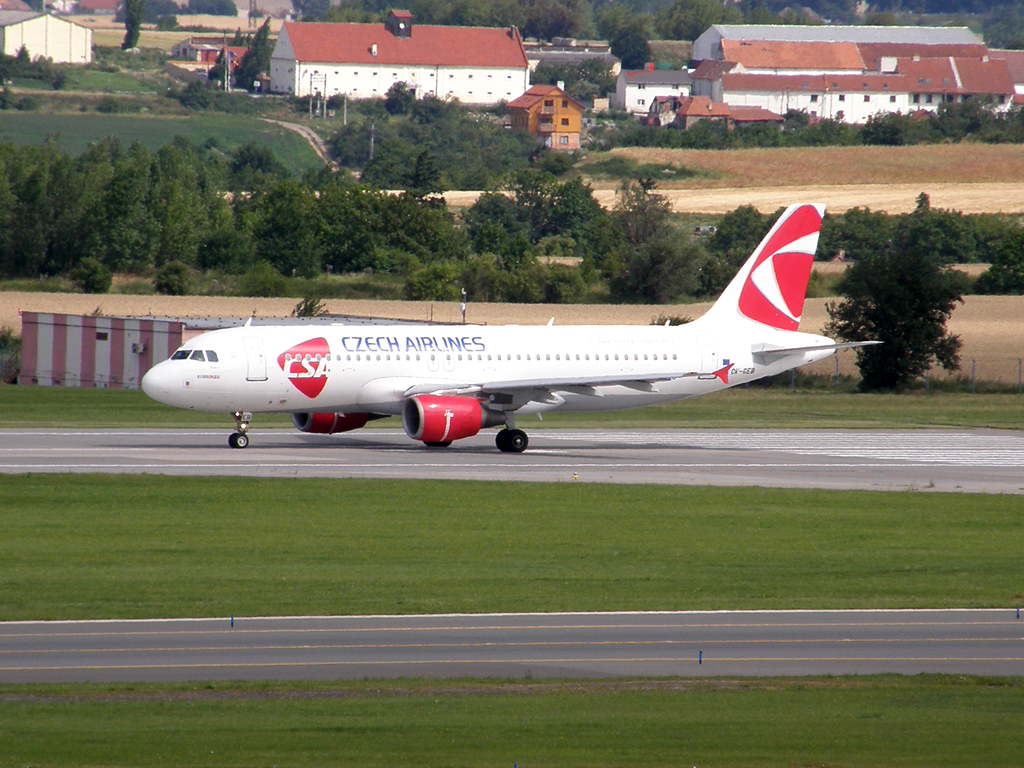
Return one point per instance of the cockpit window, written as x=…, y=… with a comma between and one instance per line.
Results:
x=211, y=356
x=181, y=354
x=198, y=355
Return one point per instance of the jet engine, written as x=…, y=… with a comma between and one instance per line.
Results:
x=329, y=423
x=439, y=420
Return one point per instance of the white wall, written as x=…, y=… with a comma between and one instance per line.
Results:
x=482, y=86
x=636, y=98
x=51, y=38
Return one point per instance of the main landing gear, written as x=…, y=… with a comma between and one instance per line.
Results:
x=240, y=439
x=511, y=441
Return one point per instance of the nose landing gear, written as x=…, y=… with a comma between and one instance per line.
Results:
x=240, y=439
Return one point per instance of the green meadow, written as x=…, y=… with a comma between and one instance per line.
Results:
x=75, y=132
x=83, y=547
x=925, y=722
x=735, y=408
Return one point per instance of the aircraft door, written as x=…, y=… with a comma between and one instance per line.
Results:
x=449, y=361
x=256, y=360
x=708, y=354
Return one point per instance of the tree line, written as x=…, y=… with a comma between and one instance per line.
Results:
x=533, y=238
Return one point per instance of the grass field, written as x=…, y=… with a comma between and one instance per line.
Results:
x=79, y=547
x=76, y=131
x=925, y=722
x=28, y=407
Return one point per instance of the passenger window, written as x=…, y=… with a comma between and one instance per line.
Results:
x=557, y=357
x=547, y=357
x=181, y=354
x=198, y=355
x=211, y=356
x=348, y=357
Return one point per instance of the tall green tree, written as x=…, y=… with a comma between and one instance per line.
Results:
x=689, y=19
x=256, y=60
x=902, y=298
x=134, y=10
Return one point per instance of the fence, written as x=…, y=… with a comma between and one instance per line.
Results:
x=10, y=362
x=975, y=372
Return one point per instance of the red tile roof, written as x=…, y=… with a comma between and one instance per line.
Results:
x=428, y=45
x=755, y=115
x=1014, y=63
x=984, y=76
x=772, y=54
x=712, y=69
x=538, y=92
x=701, y=106
x=872, y=53
x=98, y=5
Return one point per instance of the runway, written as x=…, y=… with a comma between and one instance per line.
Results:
x=981, y=642
x=981, y=461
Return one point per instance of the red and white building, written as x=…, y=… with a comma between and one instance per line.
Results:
x=476, y=65
x=86, y=351
x=849, y=74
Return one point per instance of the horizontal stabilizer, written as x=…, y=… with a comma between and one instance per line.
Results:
x=771, y=350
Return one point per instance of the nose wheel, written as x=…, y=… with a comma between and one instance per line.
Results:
x=240, y=439
x=511, y=441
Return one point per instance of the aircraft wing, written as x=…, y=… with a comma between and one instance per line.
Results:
x=643, y=382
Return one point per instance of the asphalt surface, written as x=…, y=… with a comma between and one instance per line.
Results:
x=982, y=642
x=984, y=461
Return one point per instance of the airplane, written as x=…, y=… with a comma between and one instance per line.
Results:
x=449, y=382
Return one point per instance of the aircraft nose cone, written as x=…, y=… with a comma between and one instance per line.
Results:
x=154, y=383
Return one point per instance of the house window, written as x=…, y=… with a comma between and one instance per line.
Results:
x=916, y=98
x=867, y=98
x=470, y=77
x=892, y=99
x=928, y=99
x=563, y=140
x=565, y=103
x=549, y=103
x=640, y=102
x=842, y=97
x=565, y=121
x=814, y=97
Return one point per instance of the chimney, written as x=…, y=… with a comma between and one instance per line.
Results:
x=650, y=66
x=373, y=50
x=561, y=85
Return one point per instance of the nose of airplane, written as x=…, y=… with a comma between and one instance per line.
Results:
x=155, y=383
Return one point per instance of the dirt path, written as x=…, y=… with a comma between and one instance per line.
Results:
x=309, y=135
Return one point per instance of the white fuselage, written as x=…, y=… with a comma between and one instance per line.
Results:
x=374, y=369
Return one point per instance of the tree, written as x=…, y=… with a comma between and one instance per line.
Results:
x=173, y=279
x=91, y=276
x=627, y=33
x=134, y=10
x=1006, y=274
x=689, y=19
x=658, y=262
x=256, y=60
x=399, y=99
x=903, y=299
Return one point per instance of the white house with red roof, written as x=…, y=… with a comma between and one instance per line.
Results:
x=476, y=65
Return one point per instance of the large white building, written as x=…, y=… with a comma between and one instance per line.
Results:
x=476, y=65
x=850, y=74
x=42, y=35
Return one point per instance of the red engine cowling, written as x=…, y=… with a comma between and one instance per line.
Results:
x=443, y=419
x=329, y=423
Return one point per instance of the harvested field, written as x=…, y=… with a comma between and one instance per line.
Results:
x=994, y=197
x=992, y=327
x=966, y=163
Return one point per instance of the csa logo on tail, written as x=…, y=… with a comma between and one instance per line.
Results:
x=305, y=365
x=774, y=291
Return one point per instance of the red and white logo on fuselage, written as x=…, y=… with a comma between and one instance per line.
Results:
x=306, y=366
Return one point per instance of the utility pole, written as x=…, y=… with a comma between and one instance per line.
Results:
x=373, y=136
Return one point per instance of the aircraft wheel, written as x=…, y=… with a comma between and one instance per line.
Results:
x=501, y=440
x=438, y=445
x=517, y=440
x=238, y=440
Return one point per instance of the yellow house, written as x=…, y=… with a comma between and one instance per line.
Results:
x=550, y=113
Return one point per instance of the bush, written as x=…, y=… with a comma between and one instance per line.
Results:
x=173, y=279
x=263, y=281
x=108, y=105
x=91, y=276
